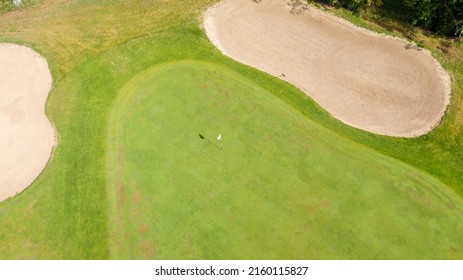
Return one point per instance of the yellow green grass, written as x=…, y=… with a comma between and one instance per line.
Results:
x=282, y=187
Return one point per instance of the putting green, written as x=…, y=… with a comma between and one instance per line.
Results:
x=283, y=187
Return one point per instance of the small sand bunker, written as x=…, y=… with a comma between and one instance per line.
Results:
x=26, y=135
x=373, y=82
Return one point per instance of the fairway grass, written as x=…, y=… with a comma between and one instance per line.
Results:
x=283, y=187
x=360, y=195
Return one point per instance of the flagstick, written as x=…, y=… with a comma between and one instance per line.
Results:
x=219, y=138
x=203, y=137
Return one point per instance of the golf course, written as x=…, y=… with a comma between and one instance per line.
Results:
x=165, y=147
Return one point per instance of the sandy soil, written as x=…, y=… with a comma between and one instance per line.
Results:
x=26, y=135
x=370, y=81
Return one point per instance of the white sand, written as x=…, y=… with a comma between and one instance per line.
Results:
x=367, y=80
x=26, y=135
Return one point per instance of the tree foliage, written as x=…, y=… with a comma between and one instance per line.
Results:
x=441, y=16
x=355, y=5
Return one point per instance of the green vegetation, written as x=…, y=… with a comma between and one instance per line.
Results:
x=442, y=17
x=104, y=54
x=355, y=5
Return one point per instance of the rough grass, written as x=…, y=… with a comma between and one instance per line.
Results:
x=95, y=47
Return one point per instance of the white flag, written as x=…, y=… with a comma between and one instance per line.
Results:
x=220, y=137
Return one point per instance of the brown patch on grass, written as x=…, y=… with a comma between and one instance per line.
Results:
x=137, y=196
x=457, y=110
x=307, y=147
x=187, y=249
x=325, y=204
x=250, y=109
x=120, y=191
x=134, y=213
x=306, y=227
x=444, y=50
x=417, y=196
x=148, y=249
x=120, y=188
x=31, y=205
x=451, y=206
x=270, y=136
x=143, y=228
x=312, y=210
x=226, y=93
x=445, y=46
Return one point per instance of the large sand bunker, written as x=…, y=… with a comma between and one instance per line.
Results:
x=26, y=135
x=370, y=81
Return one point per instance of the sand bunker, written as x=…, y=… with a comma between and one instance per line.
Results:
x=26, y=135
x=370, y=81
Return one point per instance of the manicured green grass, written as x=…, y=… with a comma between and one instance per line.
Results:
x=282, y=187
x=97, y=49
